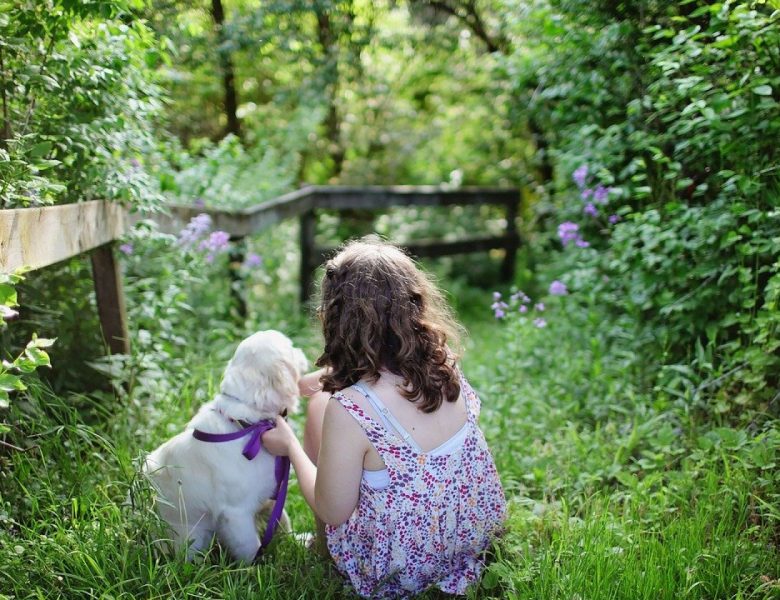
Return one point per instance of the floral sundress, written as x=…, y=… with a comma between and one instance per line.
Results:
x=434, y=521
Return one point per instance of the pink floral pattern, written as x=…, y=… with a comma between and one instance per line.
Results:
x=431, y=525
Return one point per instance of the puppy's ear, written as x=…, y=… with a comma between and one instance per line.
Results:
x=284, y=380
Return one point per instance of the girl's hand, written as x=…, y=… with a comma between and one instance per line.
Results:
x=279, y=440
x=310, y=383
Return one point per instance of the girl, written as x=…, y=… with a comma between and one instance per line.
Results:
x=395, y=464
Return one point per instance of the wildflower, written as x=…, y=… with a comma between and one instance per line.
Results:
x=126, y=249
x=6, y=312
x=570, y=232
x=134, y=163
x=216, y=242
x=558, y=288
x=195, y=230
x=591, y=210
x=499, y=309
x=613, y=219
x=586, y=193
x=519, y=296
x=579, y=175
x=253, y=260
x=523, y=308
x=499, y=306
x=539, y=306
x=600, y=194
x=540, y=323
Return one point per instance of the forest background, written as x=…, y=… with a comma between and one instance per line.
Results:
x=629, y=373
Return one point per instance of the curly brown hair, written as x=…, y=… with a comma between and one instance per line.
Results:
x=379, y=311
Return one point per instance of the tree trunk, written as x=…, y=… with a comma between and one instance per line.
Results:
x=329, y=44
x=228, y=73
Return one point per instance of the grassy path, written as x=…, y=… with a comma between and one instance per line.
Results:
x=614, y=493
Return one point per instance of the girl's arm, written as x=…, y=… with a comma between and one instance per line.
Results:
x=331, y=490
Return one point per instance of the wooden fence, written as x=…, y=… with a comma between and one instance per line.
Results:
x=306, y=204
x=38, y=237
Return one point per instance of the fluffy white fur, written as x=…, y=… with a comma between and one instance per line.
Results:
x=208, y=489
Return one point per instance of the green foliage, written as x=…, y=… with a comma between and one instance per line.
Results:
x=14, y=372
x=675, y=106
x=78, y=102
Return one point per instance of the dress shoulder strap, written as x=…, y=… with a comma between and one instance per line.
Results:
x=473, y=403
x=388, y=419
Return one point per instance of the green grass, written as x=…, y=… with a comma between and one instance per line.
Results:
x=615, y=491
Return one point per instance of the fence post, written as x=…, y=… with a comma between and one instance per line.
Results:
x=110, y=299
x=236, y=259
x=513, y=242
x=308, y=222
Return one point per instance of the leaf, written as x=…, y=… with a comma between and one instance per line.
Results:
x=8, y=295
x=763, y=90
x=43, y=342
x=40, y=149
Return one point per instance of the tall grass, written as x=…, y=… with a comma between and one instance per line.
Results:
x=615, y=491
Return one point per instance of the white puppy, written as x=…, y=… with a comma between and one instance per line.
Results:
x=208, y=488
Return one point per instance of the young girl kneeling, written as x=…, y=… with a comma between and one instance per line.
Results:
x=396, y=467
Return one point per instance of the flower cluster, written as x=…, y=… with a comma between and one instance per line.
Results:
x=593, y=197
x=217, y=242
x=521, y=303
x=570, y=232
x=194, y=231
x=196, y=235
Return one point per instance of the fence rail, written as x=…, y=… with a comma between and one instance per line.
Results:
x=38, y=237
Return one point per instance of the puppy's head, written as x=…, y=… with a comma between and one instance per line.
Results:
x=264, y=373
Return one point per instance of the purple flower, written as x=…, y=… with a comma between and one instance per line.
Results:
x=586, y=193
x=134, y=163
x=579, y=175
x=523, y=308
x=126, y=248
x=216, y=242
x=199, y=202
x=591, y=210
x=519, y=296
x=540, y=323
x=580, y=243
x=194, y=231
x=600, y=194
x=568, y=232
x=558, y=288
x=253, y=260
x=539, y=306
x=499, y=307
x=613, y=219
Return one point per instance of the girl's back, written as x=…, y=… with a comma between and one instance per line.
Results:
x=430, y=515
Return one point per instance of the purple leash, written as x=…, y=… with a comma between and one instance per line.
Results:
x=251, y=449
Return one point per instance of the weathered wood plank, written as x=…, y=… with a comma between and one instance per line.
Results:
x=110, y=299
x=381, y=197
x=38, y=237
x=239, y=223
